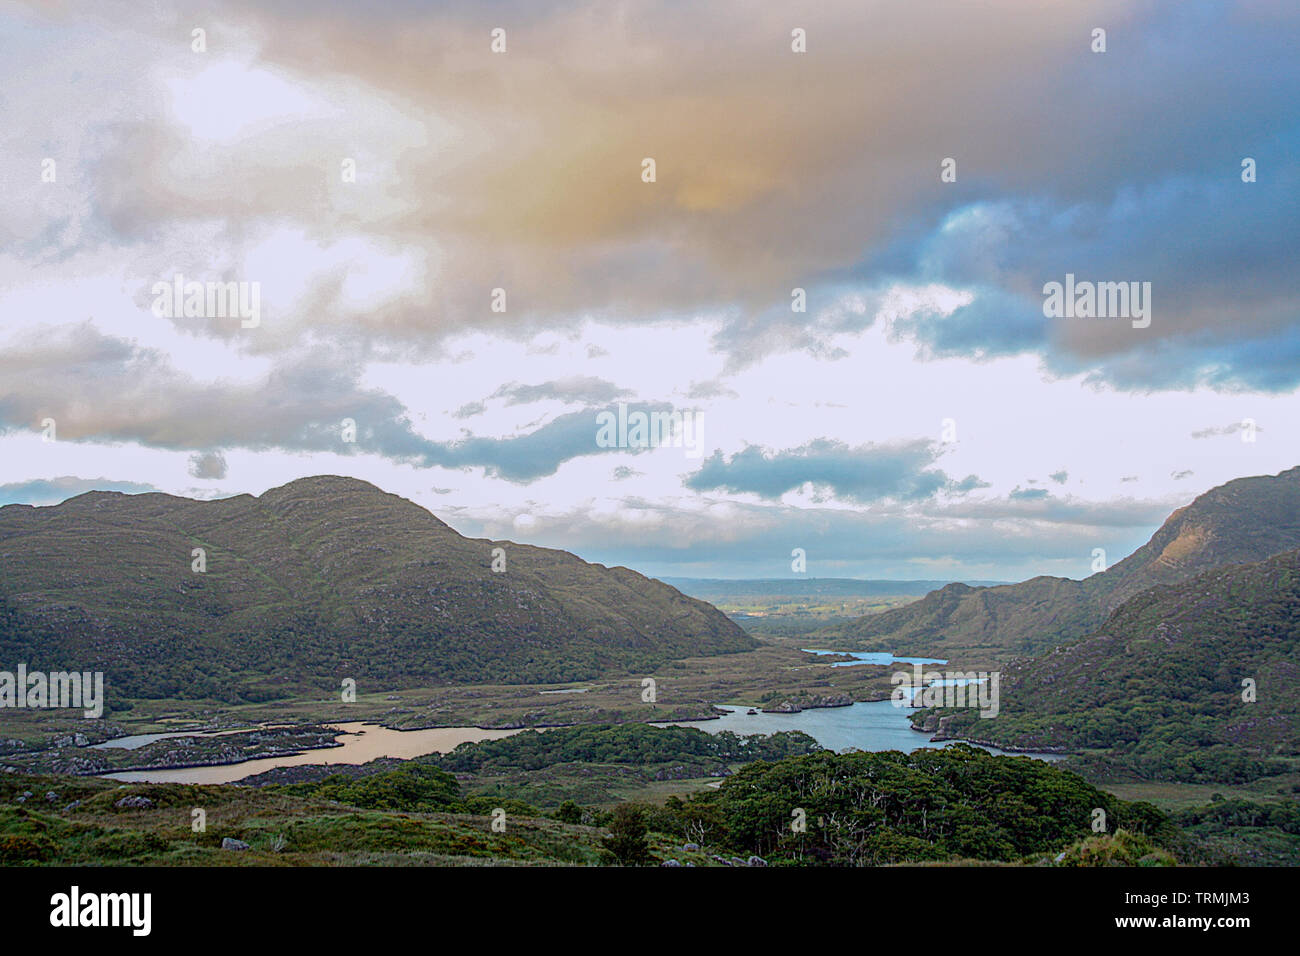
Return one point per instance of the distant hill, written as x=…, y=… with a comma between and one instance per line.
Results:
x=710, y=589
x=322, y=579
x=1159, y=687
x=1248, y=519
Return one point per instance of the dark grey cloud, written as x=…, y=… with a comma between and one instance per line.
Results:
x=100, y=388
x=1225, y=293
x=903, y=472
x=210, y=465
x=1027, y=494
x=995, y=324
x=527, y=457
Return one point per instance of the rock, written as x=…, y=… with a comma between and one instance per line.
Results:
x=1060, y=858
x=801, y=702
x=24, y=797
x=51, y=796
x=72, y=806
x=757, y=861
x=738, y=861
x=228, y=843
x=134, y=803
x=670, y=863
x=691, y=848
x=785, y=707
x=720, y=859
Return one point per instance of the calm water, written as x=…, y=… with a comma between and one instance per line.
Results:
x=878, y=658
x=876, y=725
x=136, y=741
x=361, y=742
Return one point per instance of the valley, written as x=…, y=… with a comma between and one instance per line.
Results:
x=1137, y=706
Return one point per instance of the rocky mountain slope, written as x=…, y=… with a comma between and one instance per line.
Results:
x=1196, y=681
x=1248, y=519
x=322, y=579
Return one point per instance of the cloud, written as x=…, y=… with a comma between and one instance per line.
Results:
x=1027, y=494
x=522, y=170
x=209, y=465
x=712, y=389
x=470, y=410
x=866, y=473
x=101, y=388
x=582, y=389
x=992, y=539
x=1232, y=428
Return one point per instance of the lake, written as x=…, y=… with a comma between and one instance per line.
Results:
x=361, y=743
x=877, y=658
x=875, y=725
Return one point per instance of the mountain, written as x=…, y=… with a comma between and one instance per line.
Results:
x=712, y=589
x=1245, y=520
x=322, y=579
x=1157, y=692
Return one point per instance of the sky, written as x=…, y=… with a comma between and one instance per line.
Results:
x=455, y=259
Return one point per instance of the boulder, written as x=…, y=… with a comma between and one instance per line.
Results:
x=134, y=803
x=227, y=843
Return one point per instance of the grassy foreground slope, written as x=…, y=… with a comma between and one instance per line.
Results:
x=810, y=808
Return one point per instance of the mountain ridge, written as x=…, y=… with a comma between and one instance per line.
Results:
x=1243, y=520
x=325, y=577
x=1160, y=690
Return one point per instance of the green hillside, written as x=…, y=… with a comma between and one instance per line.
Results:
x=1248, y=519
x=1157, y=692
x=320, y=580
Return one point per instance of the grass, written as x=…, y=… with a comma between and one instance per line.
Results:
x=308, y=832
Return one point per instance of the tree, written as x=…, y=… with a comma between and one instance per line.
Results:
x=627, y=836
x=569, y=812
